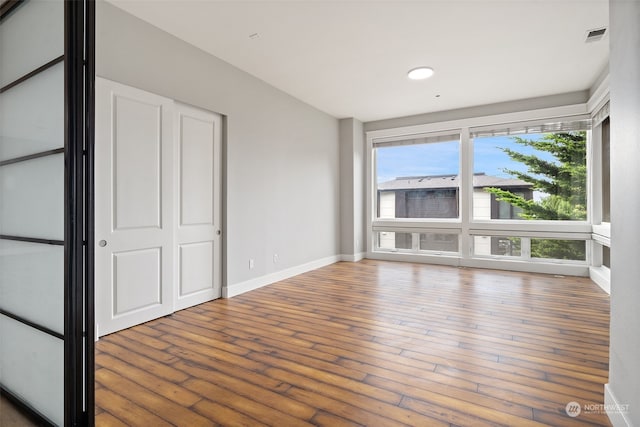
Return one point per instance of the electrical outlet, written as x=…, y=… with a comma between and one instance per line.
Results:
x=275, y=258
x=252, y=263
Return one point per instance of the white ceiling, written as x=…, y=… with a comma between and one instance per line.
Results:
x=349, y=58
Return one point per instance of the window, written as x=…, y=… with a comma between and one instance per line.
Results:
x=417, y=242
x=489, y=195
x=530, y=248
x=606, y=256
x=439, y=242
x=501, y=209
x=497, y=246
x=574, y=250
x=533, y=172
x=418, y=178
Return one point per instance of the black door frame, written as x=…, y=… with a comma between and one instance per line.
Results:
x=79, y=16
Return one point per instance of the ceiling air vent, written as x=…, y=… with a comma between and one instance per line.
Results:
x=595, y=34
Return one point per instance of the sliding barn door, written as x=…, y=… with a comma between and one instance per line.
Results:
x=46, y=304
x=198, y=141
x=133, y=206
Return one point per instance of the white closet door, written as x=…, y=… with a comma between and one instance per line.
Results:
x=133, y=207
x=198, y=135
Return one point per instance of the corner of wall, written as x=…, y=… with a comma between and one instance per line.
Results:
x=359, y=256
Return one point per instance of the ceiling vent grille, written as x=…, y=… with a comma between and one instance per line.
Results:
x=595, y=34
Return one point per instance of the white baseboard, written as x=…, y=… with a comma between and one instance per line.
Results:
x=617, y=418
x=352, y=258
x=602, y=277
x=258, y=282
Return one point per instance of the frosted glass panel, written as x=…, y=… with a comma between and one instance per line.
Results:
x=32, y=198
x=32, y=115
x=32, y=282
x=32, y=366
x=30, y=37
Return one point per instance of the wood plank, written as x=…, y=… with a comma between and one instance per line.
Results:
x=140, y=348
x=191, y=362
x=105, y=419
x=270, y=396
x=182, y=345
x=329, y=420
x=160, y=370
x=381, y=408
x=149, y=381
x=331, y=379
x=340, y=408
x=516, y=383
x=462, y=417
x=127, y=412
x=145, y=339
x=168, y=410
x=224, y=415
x=247, y=406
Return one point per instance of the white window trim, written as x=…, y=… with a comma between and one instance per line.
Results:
x=602, y=233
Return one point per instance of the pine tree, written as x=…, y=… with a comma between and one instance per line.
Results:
x=563, y=180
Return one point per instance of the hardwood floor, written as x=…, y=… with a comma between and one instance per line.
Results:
x=369, y=343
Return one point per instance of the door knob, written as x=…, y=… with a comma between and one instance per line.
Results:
x=102, y=243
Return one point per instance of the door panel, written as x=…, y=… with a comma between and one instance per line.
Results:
x=196, y=267
x=137, y=283
x=196, y=171
x=134, y=206
x=198, y=184
x=137, y=164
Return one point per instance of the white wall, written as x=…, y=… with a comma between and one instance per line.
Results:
x=282, y=156
x=624, y=65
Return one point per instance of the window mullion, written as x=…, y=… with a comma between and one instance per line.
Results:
x=466, y=191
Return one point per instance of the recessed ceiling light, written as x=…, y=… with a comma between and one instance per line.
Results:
x=420, y=73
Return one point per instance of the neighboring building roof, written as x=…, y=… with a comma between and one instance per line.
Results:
x=480, y=180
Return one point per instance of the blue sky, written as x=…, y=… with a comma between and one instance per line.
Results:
x=442, y=158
